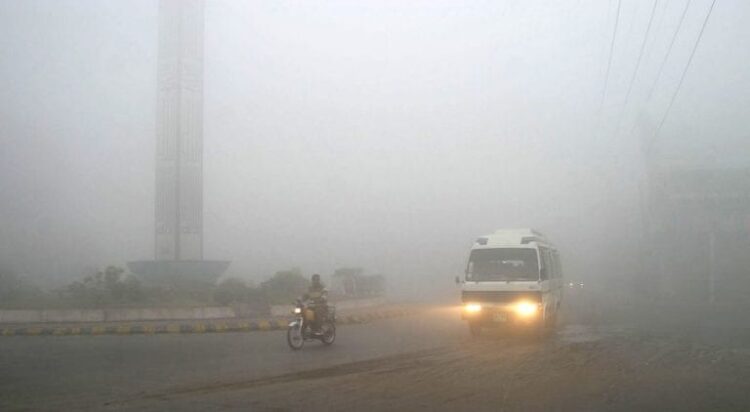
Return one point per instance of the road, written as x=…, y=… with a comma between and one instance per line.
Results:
x=73, y=372
x=424, y=362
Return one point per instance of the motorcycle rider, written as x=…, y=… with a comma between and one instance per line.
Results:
x=317, y=295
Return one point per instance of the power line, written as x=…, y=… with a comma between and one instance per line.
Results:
x=611, y=52
x=660, y=20
x=682, y=78
x=669, y=51
x=664, y=61
x=637, y=65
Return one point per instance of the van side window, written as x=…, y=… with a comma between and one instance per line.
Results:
x=546, y=267
x=553, y=263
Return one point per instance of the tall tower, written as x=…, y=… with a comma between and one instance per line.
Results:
x=178, y=244
x=179, y=133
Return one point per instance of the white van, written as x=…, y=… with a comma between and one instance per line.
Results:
x=513, y=279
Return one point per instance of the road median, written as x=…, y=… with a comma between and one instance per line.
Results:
x=202, y=326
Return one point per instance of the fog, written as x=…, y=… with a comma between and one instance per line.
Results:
x=382, y=135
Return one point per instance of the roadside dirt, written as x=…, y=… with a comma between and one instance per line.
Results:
x=580, y=369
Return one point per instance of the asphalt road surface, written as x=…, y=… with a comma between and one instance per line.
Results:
x=421, y=362
x=74, y=372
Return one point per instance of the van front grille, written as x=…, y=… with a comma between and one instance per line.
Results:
x=499, y=296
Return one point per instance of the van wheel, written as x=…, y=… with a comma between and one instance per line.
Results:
x=551, y=322
x=475, y=329
x=546, y=328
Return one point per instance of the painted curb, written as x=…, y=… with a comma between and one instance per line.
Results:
x=258, y=325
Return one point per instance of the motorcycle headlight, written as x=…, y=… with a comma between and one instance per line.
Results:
x=526, y=309
x=297, y=311
x=473, y=308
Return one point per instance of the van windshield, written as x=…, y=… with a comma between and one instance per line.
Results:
x=502, y=264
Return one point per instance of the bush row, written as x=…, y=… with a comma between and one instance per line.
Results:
x=113, y=287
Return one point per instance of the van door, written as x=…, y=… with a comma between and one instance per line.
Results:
x=557, y=284
x=545, y=278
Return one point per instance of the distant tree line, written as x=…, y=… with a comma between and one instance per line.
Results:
x=113, y=286
x=15, y=289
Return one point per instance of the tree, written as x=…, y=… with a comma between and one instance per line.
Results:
x=108, y=286
x=233, y=290
x=15, y=288
x=285, y=286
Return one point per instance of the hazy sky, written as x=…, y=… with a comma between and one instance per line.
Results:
x=381, y=134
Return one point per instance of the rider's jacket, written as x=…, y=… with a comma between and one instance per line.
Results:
x=316, y=293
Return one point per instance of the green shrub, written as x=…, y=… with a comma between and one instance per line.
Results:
x=285, y=286
x=102, y=288
x=233, y=290
x=15, y=288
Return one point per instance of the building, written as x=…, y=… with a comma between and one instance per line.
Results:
x=697, y=232
x=352, y=282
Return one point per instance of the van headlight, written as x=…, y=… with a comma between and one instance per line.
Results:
x=526, y=309
x=473, y=308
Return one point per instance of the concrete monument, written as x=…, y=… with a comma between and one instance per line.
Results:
x=178, y=246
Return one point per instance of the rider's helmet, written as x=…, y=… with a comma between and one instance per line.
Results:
x=316, y=279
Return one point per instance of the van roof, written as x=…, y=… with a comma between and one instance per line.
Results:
x=511, y=237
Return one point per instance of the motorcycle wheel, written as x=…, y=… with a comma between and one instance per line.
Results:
x=329, y=333
x=294, y=337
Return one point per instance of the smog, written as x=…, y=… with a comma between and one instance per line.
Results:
x=173, y=173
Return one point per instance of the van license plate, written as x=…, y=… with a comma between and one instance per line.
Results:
x=499, y=317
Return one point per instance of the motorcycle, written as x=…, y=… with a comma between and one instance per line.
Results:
x=300, y=329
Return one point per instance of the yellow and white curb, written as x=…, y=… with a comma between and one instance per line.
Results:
x=259, y=325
